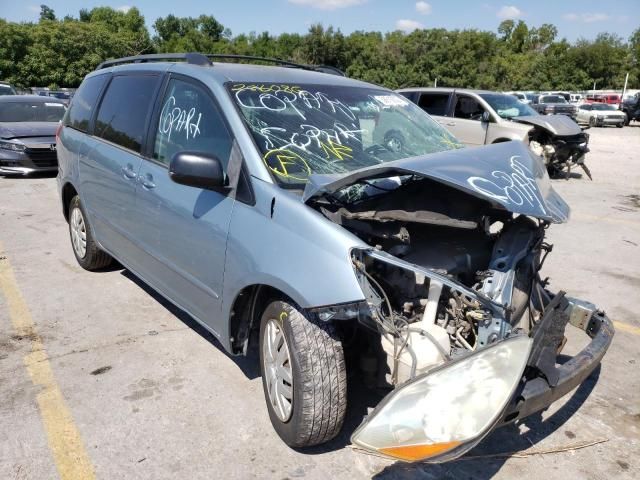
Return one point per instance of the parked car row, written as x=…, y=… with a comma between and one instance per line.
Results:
x=479, y=117
x=347, y=229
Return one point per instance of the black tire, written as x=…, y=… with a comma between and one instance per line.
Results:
x=592, y=122
x=619, y=125
x=94, y=258
x=319, y=381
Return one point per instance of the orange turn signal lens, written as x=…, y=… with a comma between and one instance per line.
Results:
x=413, y=453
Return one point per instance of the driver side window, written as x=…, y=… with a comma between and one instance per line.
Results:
x=468, y=108
x=190, y=121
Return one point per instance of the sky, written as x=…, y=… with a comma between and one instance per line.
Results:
x=573, y=18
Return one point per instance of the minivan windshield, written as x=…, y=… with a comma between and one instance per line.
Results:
x=305, y=129
x=507, y=106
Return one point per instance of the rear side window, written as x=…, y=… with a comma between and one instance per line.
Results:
x=84, y=101
x=190, y=121
x=125, y=108
x=434, y=103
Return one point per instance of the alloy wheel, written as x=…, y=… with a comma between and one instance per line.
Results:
x=277, y=370
x=78, y=232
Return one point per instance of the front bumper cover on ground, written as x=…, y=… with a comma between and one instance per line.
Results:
x=536, y=393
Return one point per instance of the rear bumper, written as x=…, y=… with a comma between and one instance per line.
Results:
x=536, y=393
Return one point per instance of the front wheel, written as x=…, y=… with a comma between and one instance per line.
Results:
x=85, y=249
x=592, y=122
x=620, y=125
x=303, y=375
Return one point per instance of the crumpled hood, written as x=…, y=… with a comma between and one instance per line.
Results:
x=557, y=124
x=27, y=129
x=508, y=175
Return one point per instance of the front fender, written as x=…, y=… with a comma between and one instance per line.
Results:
x=295, y=250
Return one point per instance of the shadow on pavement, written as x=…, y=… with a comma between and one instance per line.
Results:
x=249, y=364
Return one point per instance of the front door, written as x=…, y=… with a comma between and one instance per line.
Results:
x=466, y=124
x=182, y=229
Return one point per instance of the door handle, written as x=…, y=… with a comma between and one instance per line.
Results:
x=146, y=181
x=128, y=171
x=451, y=124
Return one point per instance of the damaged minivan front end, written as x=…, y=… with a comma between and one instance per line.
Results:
x=422, y=271
x=464, y=321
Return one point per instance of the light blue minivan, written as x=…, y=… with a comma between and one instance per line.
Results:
x=345, y=227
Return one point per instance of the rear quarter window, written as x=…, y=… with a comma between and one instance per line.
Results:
x=84, y=101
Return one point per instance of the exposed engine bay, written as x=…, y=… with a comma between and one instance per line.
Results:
x=559, y=142
x=447, y=274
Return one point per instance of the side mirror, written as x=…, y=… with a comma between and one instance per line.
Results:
x=197, y=170
x=486, y=117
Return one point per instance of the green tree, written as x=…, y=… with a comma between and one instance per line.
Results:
x=516, y=56
x=47, y=13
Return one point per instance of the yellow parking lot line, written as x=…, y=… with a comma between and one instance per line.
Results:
x=72, y=461
x=625, y=327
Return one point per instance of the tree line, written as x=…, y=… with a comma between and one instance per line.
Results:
x=59, y=52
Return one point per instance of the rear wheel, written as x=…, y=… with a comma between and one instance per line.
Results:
x=85, y=249
x=303, y=375
x=619, y=125
x=592, y=122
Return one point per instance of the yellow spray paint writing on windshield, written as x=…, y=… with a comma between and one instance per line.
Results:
x=287, y=164
x=262, y=88
x=336, y=150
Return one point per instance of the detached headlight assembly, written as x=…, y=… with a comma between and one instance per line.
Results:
x=14, y=147
x=446, y=412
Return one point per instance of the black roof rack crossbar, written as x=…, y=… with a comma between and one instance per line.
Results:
x=205, y=60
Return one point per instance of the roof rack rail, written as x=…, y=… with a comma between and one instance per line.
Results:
x=192, y=58
x=277, y=61
x=205, y=60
